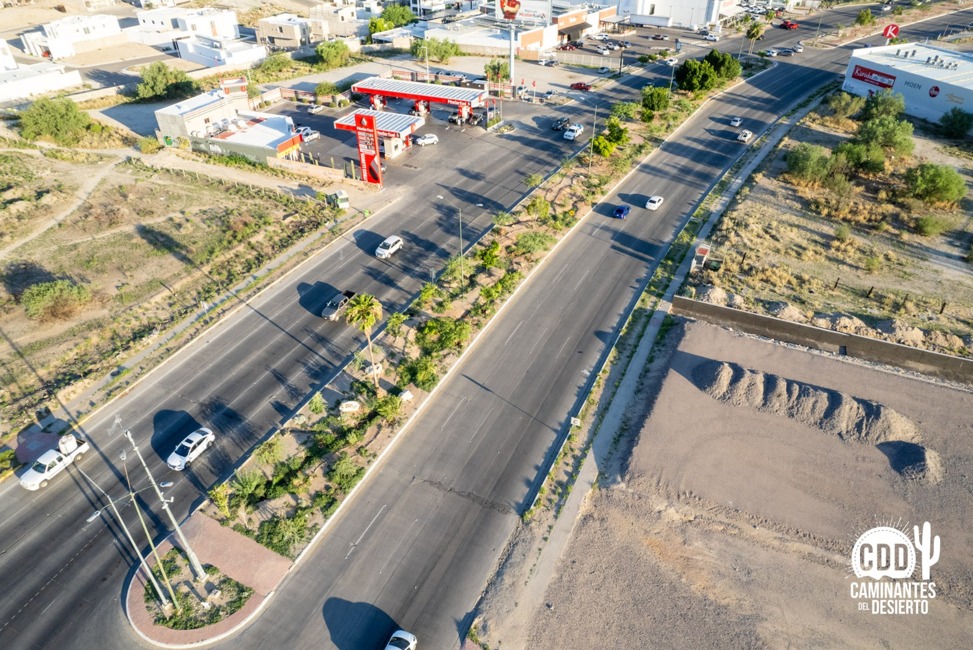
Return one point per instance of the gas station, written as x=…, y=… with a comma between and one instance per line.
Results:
x=421, y=94
x=379, y=132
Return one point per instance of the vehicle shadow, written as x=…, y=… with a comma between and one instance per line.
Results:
x=373, y=628
x=313, y=296
x=168, y=428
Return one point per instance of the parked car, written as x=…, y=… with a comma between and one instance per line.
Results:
x=654, y=202
x=660, y=37
x=307, y=134
x=626, y=44
x=426, y=138
x=456, y=118
x=550, y=63
x=389, y=247
x=561, y=123
x=621, y=212
x=602, y=51
x=580, y=85
x=704, y=32
x=550, y=94
x=314, y=109
x=745, y=136
x=567, y=46
x=785, y=51
x=191, y=447
x=402, y=640
x=736, y=121
x=573, y=131
x=771, y=52
x=711, y=37
x=798, y=48
x=475, y=119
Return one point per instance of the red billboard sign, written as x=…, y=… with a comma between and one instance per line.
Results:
x=368, y=155
x=890, y=31
x=874, y=77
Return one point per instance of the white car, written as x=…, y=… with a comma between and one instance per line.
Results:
x=771, y=52
x=314, y=109
x=745, y=136
x=389, y=247
x=402, y=640
x=736, y=121
x=307, y=134
x=573, y=131
x=798, y=48
x=673, y=61
x=604, y=70
x=426, y=138
x=190, y=449
x=654, y=202
x=711, y=37
x=603, y=51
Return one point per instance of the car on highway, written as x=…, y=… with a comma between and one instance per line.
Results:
x=660, y=37
x=887, y=7
x=402, y=640
x=580, y=85
x=711, y=37
x=573, y=131
x=798, y=48
x=389, y=247
x=314, y=109
x=307, y=133
x=671, y=61
x=550, y=94
x=561, y=123
x=426, y=138
x=336, y=304
x=191, y=447
x=550, y=63
x=745, y=136
x=604, y=69
x=788, y=25
x=621, y=212
x=736, y=121
x=654, y=202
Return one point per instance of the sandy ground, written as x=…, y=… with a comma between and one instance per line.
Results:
x=732, y=521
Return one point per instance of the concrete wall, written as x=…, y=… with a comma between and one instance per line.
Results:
x=861, y=347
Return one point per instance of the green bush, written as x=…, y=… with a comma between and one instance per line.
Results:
x=8, y=460
x=55, y=300
x=442, y=334
x=316, y=405
x=860, y=156
x=58, y=119
x=932, y=183
x=893, y=135
x=932, y=225
x=884, y=103
x=529, y=243
x=724, y=63
x=602, y=146
x=533, y=180
x=148, y=144
x=655, y=98
x=333, y=54
x=842, y=232
x=865, y=18
x=845, y=105
x=696, y=76
x=159, y=82
x=280, y=533
x=807, y=162
x=625, y=110
x=421, y=372
x=956, y=122
x=873, y=264
x=345, y=473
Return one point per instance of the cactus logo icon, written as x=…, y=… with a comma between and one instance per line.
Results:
x=890, y=557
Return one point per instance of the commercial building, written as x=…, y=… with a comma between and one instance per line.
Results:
x=689, y=14
x=74, y=35
x=932, y=79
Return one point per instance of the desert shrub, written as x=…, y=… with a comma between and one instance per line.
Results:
x=529, y=243
x=148, y=144
x=696, y=76
x=8, y=460
x=269, y=451
x=932, y=183
x=159, y=81
x=420, y=371
x=281, y=533
x=334, y=54
x=724, y=63
x=602, y=146
x=861, y=156
x=489, y=257
x=389, y=408
x=56, y=300
x=249, y=486
x=538, y=207
x=932, y=225
x=808, y=163
x=442, y=334
x=58, y=119
x=220, y=496
x=845, y=105
x=345, y=473
x=625, y=110
x=885, y=104
x=533, y=180
x=617, y=133
x=842, y=232
x=655, y=98
x=503, y=219
x=893, y=135
x=956, y=122
x=316, y=404
x=865, y=18
x=872, y=264
x=325, y=502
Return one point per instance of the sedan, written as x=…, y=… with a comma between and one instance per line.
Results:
x=745, y=136
x=307, y=134
x=672, y=61
x=580, y=85
x=654, y=202
x=771, y=52
x=389, y=247
x=736, y=121
x=660, y=37
x=573, y=131
x=785, y=52
x=621, y=212
x=798, y=48
x=190, y=448
x=566, y=46
x=426, y=138
x=711, y=37
x=314, y=109
x=402, y=640
x=561, y=123
x=604, y=70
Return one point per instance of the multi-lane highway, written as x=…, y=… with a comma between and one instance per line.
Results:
x=426, y=531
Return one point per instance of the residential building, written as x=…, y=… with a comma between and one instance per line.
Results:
x=7, y=61
x=288, y=31
x=213, y=52
x=19, y=82
x=341, y=19
x=166, y=26
x=428, y=9
x=74, y=35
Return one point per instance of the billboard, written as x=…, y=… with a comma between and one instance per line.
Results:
x=368, y=155
x=874, y=77
x=525, y=10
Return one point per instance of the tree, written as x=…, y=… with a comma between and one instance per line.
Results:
x=56, y=300
x=334, y=54
x=862, y=156
x=393, y=326
x=932, y=183
x=602, y=146
x=884, y=103
x=865, y=18
x=725, y=65
x=442, y=50
x=895, y=136
x=655, y=98
x=497, y=70
x=807, y=162
x=398, y=15
x=696, y=76
x=376, y=25
x=159, y=81
x=58, y=119
x=956, y=122
x=845, y=105
x=617, y=134
x=364, y=310
x=625, y=110
x=754, y=33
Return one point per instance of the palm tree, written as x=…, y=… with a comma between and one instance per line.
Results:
x=754, y=32
x=394, y=325
x=364, y=311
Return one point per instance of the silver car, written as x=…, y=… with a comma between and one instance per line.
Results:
x=389, y=247
x=190, y=449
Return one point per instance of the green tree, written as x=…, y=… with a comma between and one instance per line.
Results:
x=364, y=310
x=617, y=134
x=334, y=54
x=895, y=136
x=956, y=122
x=393, y=326
x=503, y=219
x=655, y=98
x=490, y=256
x=389, y=408
x=442, y=50
x=602, y=146
x=696, y=76
x=249, y=486
x=220, y=496
x=845, y=105
x=533, y=180
x=884, y=103
x=862, y=156
x=57, y=300
x=625, y=110
x=497, y=70
x=58, y=119
x=529, y=243
x=754, y=33
x=376, y=25
x=159, y=81
x=865, y=18
x=724, y=63
x=398, y=15
x=269, y=452
x=932, y=183
x=808, y=163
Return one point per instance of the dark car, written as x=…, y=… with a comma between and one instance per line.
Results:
x=561, y=123
x=475, y=119
x=580, y=85
x=621, y=212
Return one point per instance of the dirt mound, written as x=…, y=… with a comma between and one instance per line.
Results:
x=845, y=416
x=712, y=295
x=842, y=323
x=913, y=461
x=788, y=312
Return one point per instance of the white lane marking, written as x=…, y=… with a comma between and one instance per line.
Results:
x=452, y=413
x=581, y=281
x=541, y=337
x=507, y=342
x=365, y=532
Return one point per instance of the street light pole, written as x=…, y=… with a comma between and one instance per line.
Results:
x=462, y=265
x=594, y=125
x=193, y=560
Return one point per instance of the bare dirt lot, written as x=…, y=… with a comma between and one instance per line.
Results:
x=733, y=523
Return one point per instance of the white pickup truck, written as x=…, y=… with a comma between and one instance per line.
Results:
x=70, y=448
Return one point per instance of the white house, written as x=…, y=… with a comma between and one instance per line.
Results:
x=215, y=23
x=30, y=81
x=213, y=52
x=290, y=31
x=6, y=57
x=166, y=26
x=74, y=35
x=341, y=19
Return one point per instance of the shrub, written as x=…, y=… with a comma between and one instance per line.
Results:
x=159, y=81
x=844, y=105
x=891, y=134
x=625, y=110
x=602, y=146
x=884, y=103
x=529, y=243
x=538, y=207
x=269, y=451
x=334, y=54
x=842, y=233
x=533, y=180
x=58, y=119
x=872, y=264
x=725, y=64
x=421, y=372
x=861, y=156
x=8, y=460
x=345, y=473
x=220, y=496
x=932, y=226
x=57, y=300
x=655, y=98
x=503, y=219
x=956, y=122
x=934, y=183
x=808, y=163
x=280, y=533
x=326, y=89
x=442, y=334
x=490, y=256
x=148, y=144
x=389, y=408
x=865, y=18
x=696, y=76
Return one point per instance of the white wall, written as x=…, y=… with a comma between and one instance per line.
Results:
x=36, y=80
x=681, y=13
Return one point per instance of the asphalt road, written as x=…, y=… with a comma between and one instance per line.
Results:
x=417, y=546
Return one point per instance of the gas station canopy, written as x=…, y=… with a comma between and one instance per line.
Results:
x=418, y=91
x=388, y=125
